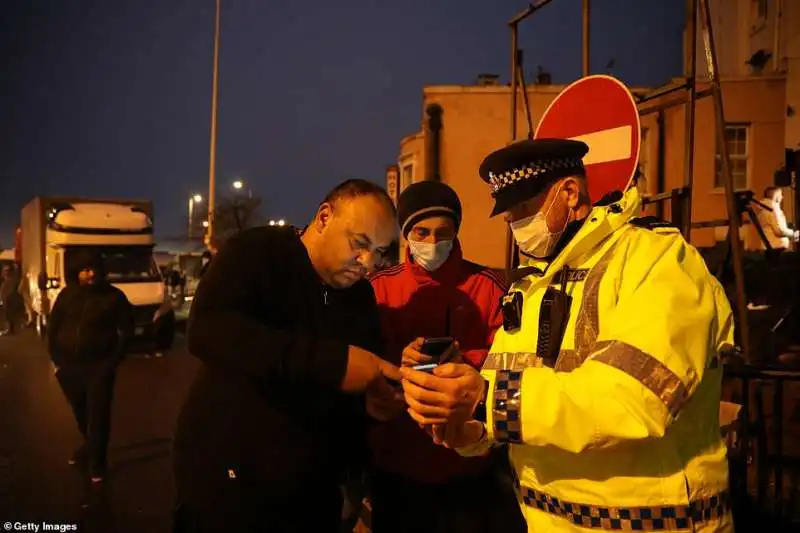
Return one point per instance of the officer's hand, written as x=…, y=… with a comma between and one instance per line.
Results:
x=363, y=368
x=384, y=402
x=457, y=435
x=449, y=395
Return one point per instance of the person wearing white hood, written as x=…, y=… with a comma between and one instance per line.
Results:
x=436, y=293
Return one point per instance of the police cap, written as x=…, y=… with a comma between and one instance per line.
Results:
x=524, y=169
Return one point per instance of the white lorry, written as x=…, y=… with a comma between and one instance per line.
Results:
x=54, y=229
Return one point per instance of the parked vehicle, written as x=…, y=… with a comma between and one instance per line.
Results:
x=54, y=230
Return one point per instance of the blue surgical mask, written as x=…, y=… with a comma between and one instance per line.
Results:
x=430, y=255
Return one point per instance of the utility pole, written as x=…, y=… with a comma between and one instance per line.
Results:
x=212, y=165
x=586, y=26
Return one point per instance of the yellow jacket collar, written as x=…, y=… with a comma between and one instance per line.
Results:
x=601, y=222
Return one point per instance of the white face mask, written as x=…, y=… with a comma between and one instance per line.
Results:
x=534, y=237
x=430, y=255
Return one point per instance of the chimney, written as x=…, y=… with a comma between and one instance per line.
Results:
x=487, y=80
x=543, y=77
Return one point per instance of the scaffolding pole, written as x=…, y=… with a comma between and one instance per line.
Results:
x=517, y=75
x=689, y=114
x=512, y=252
x=734, y=220
x=585, y=41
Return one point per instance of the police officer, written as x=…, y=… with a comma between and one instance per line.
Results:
x=605, y=379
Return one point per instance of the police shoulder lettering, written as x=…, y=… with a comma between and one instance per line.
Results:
x=573, y=275
x=654, y=224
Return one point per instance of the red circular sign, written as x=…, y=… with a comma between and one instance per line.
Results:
x=600, y=111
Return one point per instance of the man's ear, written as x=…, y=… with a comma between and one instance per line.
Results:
x=324, y=215
x=574, y=192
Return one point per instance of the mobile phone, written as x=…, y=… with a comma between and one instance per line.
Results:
x=435, y=347
x=426, y=367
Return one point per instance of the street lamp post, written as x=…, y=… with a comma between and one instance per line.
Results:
x=194, y=199
x=212, y=166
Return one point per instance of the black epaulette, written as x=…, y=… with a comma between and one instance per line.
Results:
x=523, y=272
x=652, y=223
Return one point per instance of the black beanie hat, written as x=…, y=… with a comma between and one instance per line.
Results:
x=83, y=259
x=426, y=199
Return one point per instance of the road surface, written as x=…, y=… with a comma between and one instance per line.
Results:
x=38, y=436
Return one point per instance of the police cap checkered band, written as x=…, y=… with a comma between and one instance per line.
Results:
x=524, y=169
x=531, y=171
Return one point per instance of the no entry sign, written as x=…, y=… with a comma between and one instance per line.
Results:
x=600, y=111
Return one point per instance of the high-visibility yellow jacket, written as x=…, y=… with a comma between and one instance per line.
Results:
x=622, y=433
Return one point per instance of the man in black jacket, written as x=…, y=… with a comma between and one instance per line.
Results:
x=89, y=328
x=287, y=328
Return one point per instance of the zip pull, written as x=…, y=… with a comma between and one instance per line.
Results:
x=325, y=296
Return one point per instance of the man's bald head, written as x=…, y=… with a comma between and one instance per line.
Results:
x=353, y=229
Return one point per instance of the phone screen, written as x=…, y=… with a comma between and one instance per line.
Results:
x=435, y=347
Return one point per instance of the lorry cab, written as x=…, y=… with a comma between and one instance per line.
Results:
x=122, y=233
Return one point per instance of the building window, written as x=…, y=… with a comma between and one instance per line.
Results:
x=406, y=175
x=737, y=137
x=762, y=6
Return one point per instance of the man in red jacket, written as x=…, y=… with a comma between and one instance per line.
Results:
x=418, y=486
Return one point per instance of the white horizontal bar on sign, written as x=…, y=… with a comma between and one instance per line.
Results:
x=607, y=145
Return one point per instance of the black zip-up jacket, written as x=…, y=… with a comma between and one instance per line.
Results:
x=265, y=411
x=89, y=323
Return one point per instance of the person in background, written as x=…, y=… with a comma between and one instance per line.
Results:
x=182, y=286
x=90, y=326
x=287, y=329
x=174, y=281
x=205, y=260
x=25, y=294
x=768, y=285
x=435, y=292
x=606, y=377
x=11, y=299
x=779, y=233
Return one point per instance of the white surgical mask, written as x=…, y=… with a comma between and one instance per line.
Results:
x=430, y=255
x=534, y=237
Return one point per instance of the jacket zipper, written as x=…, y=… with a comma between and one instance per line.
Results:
x=325, y=296
x=80, y=323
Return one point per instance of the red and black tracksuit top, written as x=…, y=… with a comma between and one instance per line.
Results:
x=461, y=300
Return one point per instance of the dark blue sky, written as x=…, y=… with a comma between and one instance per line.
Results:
x=112, y=97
